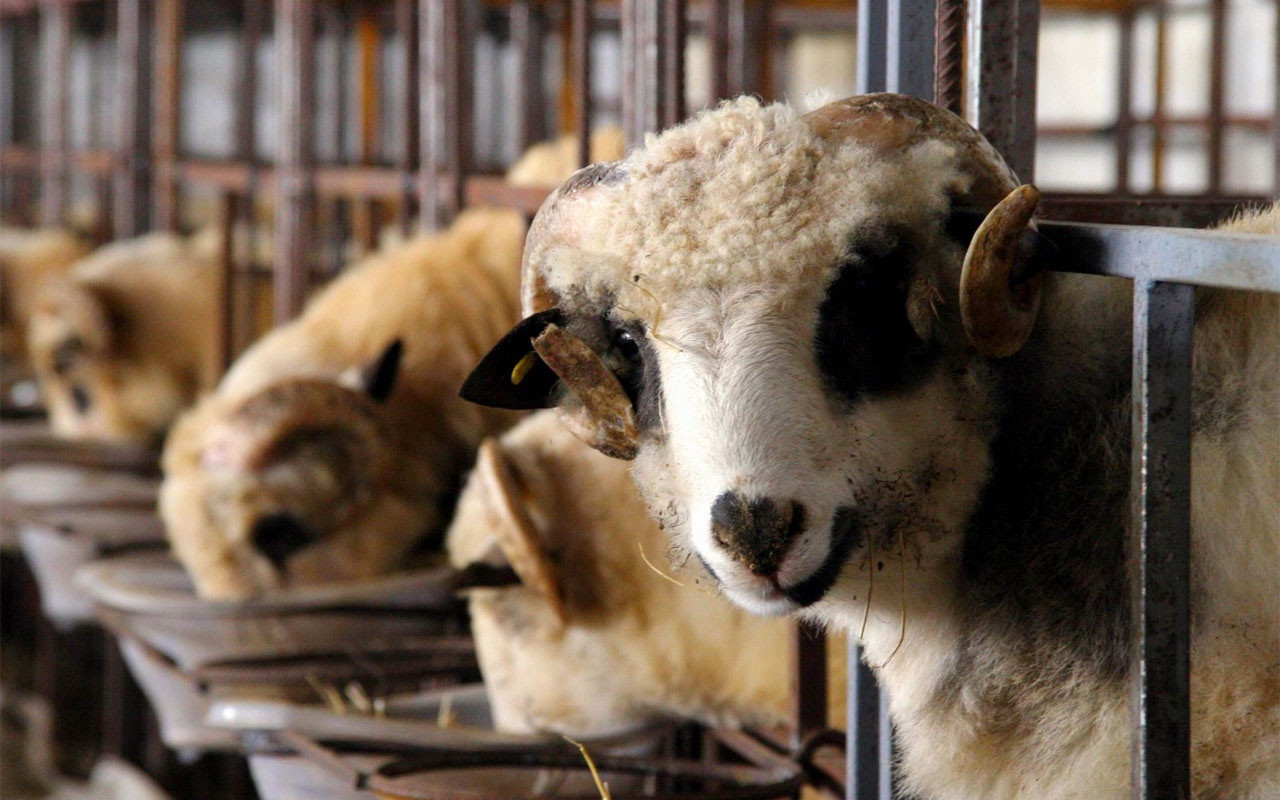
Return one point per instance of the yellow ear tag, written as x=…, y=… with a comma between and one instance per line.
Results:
x=522, y=368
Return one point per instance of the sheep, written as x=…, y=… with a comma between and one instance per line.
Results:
x=548, y=163
x=128, y=338
x=332, y=447
x=28, y=258
x=595, y=641
x=847, y=417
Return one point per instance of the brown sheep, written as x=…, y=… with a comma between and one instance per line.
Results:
x=300, y=469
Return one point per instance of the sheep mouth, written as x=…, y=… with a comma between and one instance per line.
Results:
x=847, y=532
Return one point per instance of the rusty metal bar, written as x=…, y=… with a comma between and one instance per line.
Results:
x=1157, y=112
x=1124, y=102
x=1175, y=211
x=808, y=681
x=444, y=111
x=1217, y=91
x=1001, y=91
x=166, y=111
x=651, y=66
x=227, y=340
x=872, y=45
x=909, y=47
x=55, y=38
x=579, y=45
x=527, y=26
x=1160, y=539
x=674, y=31
x=130, y=199
x=716, y=29
x=295, y=154
x=748, y=35
x=407, y=26
x=948, y=55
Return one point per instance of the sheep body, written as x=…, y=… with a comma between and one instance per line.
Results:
x=127, y=338
x=633, y=647
x=790, y=289
x=286, y=434
x=28, y=258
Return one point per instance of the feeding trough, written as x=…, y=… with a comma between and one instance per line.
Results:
x=399, y=631
x=318, y=752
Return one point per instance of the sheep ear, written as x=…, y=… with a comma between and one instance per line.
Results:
x=512, y=374
x=71, y=320
x=379, y=377
x=518, y=536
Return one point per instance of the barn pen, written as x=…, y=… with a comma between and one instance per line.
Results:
x=308, y=133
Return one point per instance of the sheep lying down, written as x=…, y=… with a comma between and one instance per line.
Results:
x=128, y=338
x=29, y=258
x=601, y=635
x=332, y=448
x=854, y=404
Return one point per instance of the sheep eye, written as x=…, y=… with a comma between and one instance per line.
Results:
x=79, y=398
x=627, y=345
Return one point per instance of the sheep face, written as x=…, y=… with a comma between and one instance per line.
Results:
x=299, y=483
x=778, y=299
x=95, y=382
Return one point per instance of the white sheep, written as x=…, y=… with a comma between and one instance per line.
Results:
x=300, y=470
x=602, y=634
x=845, y=417
x=128, y=338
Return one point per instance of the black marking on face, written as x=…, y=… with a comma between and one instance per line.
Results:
x=848, y=533
x=635, y=364
x=758, y=531
x=66, y=354
x=864, y=341
x=279, y=536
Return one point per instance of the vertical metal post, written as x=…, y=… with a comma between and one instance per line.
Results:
x=295, y=192
x=651, y=64
x=526, y=36
x=872, y=45
x=1002, y=78
x=55, y=40
x=1124, y=103
x=948, y=55
x=716, y=30
x=1217, y=93
x=166, y=85
x=1163, y=319
x=909, y=47
x=863, y=752
x=445, y=110
x=407, y=26
x=748, y=37
x=131, y=201
x=632, y=130
x=227, y=342
x=580, y=45
x=1157, y=112
x=808, y=681
x=673, y=31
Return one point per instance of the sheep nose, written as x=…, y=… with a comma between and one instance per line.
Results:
x=278, y=536
x=757, y=531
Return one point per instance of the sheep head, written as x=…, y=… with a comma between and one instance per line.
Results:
x=801, y=320
x=301, y=482
x=592, y=640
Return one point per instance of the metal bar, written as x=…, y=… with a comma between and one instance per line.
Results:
x=1203, y=258
x=55, y=36
x=650, y=18
x=716, y=30
x=872, y=46
x=884, y=731
x=1160, y=541
x=1217, y=94
x=808, y=681
x=580, y=45
x=673, y=31
x=1157, y=112
x=748, y=34
x=1124, y=102
x=442, y=109
x=1275, y=119
x=632, y=130
x=407, y=26
x=527, y=23
x=1001, y=93
x=948, y=55
x=909, y=47
x=295, y=154
x=130, y=200
x=165, y=119
x=227, y=338
x=862, y=753
x=1170, y=211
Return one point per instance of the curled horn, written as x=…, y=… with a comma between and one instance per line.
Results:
x=596, y=409
x=998, y=313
